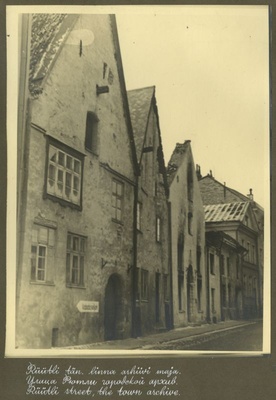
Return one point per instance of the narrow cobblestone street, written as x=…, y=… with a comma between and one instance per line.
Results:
x=224, y=336
x=240, y=338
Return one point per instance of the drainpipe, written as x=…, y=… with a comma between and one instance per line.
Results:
x=208, y=285
x=134, y=332
x=170, y=263
x=23, y=136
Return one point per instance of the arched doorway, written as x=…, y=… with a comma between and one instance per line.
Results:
x=190, y=294
x=113, y=308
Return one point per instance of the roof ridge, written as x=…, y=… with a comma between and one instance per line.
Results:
x=142, y=88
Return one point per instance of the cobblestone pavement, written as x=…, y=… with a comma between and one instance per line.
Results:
x=190, y=334
x=238, y=338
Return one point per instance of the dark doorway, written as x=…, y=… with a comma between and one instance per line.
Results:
x=113, y=309
x=190, y=293
x=157, y=297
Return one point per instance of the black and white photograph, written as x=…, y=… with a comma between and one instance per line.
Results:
x=138, y=214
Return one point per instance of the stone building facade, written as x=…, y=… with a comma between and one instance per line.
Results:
x=110, y=243
x=224, y=278
x=236, y=233
x=187, y=238
x=76, y=225
x=153, y=283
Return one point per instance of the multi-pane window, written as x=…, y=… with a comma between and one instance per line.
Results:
x=190, y=223
x=158, y=229
x=42, y=254
x=75, y=260
x=253, y=254
x=180, y=291
x=166, y=288
x=144, y=284
x=64, y=175
x=180, y=252
x=117, y=200
x=222, y=266
x=213, y=300
x=139, y=209
x=190, y=182
x=228, y=265
x=212, y=263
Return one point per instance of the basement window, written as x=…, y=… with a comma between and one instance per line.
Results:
x=91, y=133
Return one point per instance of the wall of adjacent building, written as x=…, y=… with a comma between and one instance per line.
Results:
x=189, y=311
x=153, y=310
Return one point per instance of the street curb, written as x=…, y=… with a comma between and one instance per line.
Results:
x=195, y=336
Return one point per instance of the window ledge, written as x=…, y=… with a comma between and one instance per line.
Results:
x=144, y=301
x=92, y=152
x=117, y=221
x=71, y=286
x=50, y=283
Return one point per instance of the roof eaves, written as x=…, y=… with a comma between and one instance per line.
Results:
x=124, y=91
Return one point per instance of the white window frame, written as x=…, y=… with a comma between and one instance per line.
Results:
x=64, y=173
x=41, y=241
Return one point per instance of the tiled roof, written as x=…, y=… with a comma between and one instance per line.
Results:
x=225, y=212
x=139, y=104
x=176, y=159
x=48, y=32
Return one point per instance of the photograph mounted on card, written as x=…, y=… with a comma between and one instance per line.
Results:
x=139, y=209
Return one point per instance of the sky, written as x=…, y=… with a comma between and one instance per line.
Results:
x=210, y=67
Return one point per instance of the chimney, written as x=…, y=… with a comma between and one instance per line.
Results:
x=224, y=190
x=250, y=195
x=198, y=172
x=211, y=173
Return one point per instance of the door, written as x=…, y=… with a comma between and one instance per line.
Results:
x=157, y=297
x=190, y=293
x=113, y=309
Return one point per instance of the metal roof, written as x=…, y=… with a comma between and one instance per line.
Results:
x=225, y=212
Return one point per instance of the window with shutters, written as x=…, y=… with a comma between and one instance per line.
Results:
x=75, y=255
